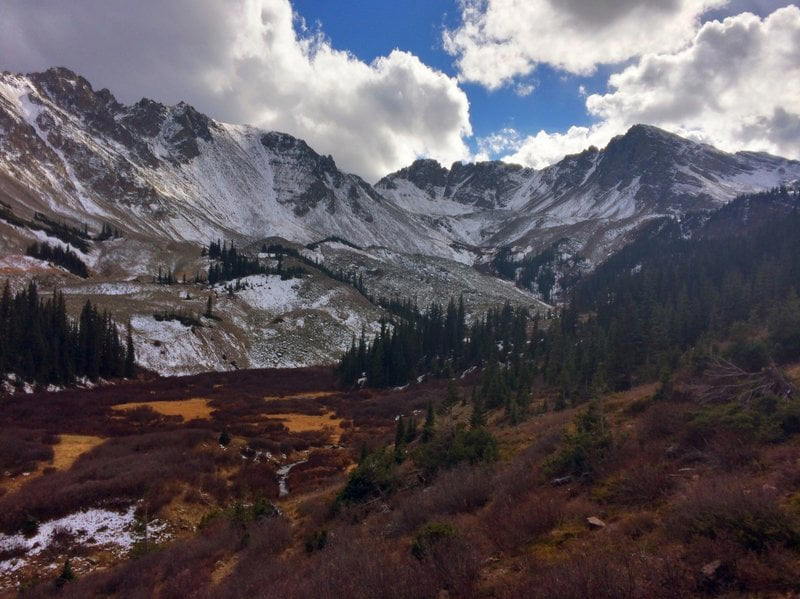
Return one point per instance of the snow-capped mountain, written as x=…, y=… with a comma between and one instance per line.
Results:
x=593, y=198
x=71, y=151
x=170, y=171
x=171, y=179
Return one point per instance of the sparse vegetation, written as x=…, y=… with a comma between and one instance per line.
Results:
x=630, y=447
x=186, y=318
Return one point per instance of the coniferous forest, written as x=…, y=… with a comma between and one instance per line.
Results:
x=228, y=263
x=631, y=321
x=59, y=255
x=42, y=344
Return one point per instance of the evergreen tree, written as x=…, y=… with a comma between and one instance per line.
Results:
x=130, y=356
x=478, y=418
x=400, y=440
x=430, y=423
x=453, y=396
x=67, y=575
x=41, y=344
x=411, y=429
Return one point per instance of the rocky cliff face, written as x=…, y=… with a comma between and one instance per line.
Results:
x=171, y=171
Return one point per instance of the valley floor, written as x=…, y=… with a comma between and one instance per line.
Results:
x=225, y=484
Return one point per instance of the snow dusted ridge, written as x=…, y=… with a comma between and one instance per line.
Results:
x=171, y=172
x=594, y=197
x=171, y=179
x=268, y=323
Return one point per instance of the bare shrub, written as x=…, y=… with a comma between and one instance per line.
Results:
x=662, y=420
x=463, y=489
x=603, y=573
x=727, y=508
x=112, y=475
x=511, y=523
x=21, y=449
x=454, y=564
x=644, y=483
x=256, y=480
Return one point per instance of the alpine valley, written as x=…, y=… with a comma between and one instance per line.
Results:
x=138, y=194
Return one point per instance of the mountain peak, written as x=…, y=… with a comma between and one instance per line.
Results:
x=69, y=90
x=425, y=173
x=642, y=133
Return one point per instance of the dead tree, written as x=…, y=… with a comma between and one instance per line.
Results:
x=726, y=382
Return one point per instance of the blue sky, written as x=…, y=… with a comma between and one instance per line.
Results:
x=370, y=29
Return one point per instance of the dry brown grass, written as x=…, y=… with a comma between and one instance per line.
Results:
x=793, y=372
x=622, y=399
x=308, y=395
x=68, y=449
x=188, y=409
x=71, y=447
x=300, y=423
x=223, y=568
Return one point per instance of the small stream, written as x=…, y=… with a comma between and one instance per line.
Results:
x=283, y=477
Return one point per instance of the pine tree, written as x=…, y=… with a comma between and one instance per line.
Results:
x=67, y=575
x=478, y=418
x=430, y=423
x=411, y=430
x=399, y=440
x=130, y=356
x=512, y=410
x=209, y=307
x=453, y=397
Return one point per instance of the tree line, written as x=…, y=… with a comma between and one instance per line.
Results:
x=435, y=341
x=41, y=343
x=62, y=256
x=631, y=321
x=636, y=316
x=228, y=263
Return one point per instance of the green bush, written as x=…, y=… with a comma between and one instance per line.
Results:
x=750, y=355
x=784, y=331
x=769, y=419
x=586, y=444
x=374, y=476
x=454, y=446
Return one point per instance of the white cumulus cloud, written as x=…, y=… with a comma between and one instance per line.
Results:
x=736, y=86
x=498, y=40
x=248, y=61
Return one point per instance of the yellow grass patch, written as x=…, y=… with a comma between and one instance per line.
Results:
x=188, y=409
x=300, y=423
x=68, y=449
x=71, y=447
x=309, y=395
x=223, y=568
